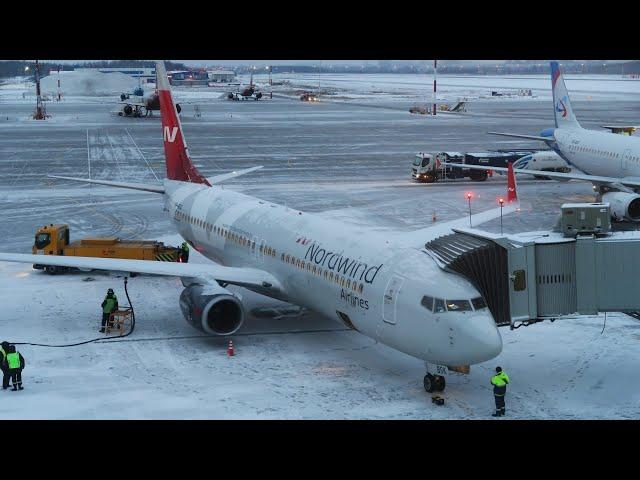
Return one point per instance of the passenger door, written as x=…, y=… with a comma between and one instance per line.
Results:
x=627, y=165
x=391, y=298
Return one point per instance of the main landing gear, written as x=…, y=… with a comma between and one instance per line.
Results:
x=434, y=383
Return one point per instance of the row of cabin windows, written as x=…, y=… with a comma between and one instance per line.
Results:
x=605, y=153
x=234, y=237
x=322, y=273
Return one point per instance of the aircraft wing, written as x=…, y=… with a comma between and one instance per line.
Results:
x=632, y=182
x=418, y=238
x=205, y=272
x=529, y=137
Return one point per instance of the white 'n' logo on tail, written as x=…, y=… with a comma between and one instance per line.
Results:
x=170, y=134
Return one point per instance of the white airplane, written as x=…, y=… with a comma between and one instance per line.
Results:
x=543, y=161
x=610, y=161
x=383, y=285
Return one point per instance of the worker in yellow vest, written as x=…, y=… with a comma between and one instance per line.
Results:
x=184, y=252
x=499, y=382
x=109, y=305
x=5, y=371
x=14, y=362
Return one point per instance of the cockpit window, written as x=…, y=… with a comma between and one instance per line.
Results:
x=478, y=303
x=439, y=307
x=42, y=240
x=427, y=302
x=458, y=305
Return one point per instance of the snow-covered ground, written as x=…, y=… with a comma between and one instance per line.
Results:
x=472, y=87
x=346, y=161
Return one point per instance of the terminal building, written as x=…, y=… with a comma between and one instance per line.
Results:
x=146, y=75
x=188, y=78
x=222, y=76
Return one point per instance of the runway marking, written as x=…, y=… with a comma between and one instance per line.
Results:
x=141, y=154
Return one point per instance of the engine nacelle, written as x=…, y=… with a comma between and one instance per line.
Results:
x=212, y=309
x=623, y=205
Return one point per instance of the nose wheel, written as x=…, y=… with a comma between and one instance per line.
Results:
x=434, y=383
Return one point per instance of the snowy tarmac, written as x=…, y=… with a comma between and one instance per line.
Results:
x=348, y=161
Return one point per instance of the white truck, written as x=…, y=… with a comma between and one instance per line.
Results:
x=429, y=168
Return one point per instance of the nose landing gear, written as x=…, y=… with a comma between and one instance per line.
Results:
x=434, y=383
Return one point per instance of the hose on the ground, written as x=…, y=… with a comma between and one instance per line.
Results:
x=99, y=339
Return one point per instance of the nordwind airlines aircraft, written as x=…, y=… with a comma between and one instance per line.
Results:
x=383, y=285
x=611, y=162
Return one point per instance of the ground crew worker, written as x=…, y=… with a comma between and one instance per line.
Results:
x=4, y=347
x=14, y=362
x=109, y=305
x=499, y=382
x=185, y=252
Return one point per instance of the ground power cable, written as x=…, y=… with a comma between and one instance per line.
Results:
x=93, y=340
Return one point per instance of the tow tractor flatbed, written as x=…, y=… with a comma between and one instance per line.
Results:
x=54, y=240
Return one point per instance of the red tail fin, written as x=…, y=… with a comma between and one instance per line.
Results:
x=179, y=166
x=512, y=194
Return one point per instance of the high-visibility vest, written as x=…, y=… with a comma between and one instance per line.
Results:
x=13, y=359
x=500, y=379
x=185, y=247
x=110, y=304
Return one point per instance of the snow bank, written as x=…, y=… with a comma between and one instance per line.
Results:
x=88, y=83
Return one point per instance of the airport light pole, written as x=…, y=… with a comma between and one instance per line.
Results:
x=501, y=205
x=435, y=73
x=469, y=199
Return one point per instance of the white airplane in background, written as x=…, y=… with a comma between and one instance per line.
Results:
x=383, y=285
x=610, y=161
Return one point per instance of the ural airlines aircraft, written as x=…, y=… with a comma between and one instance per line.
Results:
x=381, y=284
x=611, y=162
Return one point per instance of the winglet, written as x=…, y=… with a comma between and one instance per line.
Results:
x=512, y=194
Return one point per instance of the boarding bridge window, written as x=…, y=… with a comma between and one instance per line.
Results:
x=458, y=305
x=478, y=303
x=519, y=280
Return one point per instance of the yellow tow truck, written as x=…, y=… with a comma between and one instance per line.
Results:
x=54, y=240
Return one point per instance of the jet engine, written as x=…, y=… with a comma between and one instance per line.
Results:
x=623, y=205
x=212, y=309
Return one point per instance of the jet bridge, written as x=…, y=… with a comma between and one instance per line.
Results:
x=535, y=276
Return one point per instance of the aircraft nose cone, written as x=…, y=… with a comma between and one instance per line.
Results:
x=485, y=336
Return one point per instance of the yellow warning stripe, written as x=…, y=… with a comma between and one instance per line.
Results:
x=164, y=257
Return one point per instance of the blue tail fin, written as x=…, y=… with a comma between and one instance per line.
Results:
x=562, y=110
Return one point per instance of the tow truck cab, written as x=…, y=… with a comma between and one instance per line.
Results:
x=428, y=168
x=51, y=240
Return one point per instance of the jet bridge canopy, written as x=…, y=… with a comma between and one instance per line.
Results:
x=542, y=275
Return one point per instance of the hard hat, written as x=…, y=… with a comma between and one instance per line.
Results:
x=110, y=290
x=498, y=369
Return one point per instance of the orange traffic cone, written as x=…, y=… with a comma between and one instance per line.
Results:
x=230, y=350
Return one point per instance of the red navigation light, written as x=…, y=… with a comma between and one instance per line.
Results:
x=501, y=200
x=469, y=195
